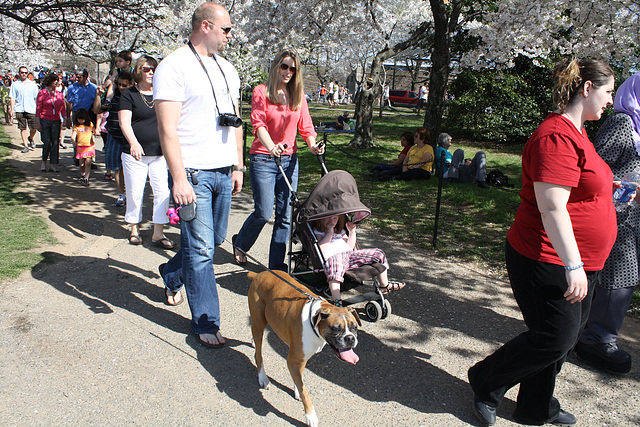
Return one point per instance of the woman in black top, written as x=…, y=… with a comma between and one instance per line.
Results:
x=142, y=156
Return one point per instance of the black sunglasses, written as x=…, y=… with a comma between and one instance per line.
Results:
x=147, y=69
x=225, y=30
x=122, y=84
x=285, y=67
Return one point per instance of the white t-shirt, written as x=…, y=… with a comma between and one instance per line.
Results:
x=180, y=77
x=25, y=94
x=424, y=93
x=336, y=246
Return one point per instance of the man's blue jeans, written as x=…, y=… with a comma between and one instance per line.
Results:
x=269, y=187
x=192, y=265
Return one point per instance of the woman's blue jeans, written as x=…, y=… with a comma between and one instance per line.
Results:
x=269, y=189
x=192, y=265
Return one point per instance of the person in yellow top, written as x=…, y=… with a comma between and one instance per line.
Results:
x=82, y=138
x=418, y=161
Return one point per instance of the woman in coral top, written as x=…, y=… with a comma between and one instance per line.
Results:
x=49, y=105
x=562, y=234
x=278, y=112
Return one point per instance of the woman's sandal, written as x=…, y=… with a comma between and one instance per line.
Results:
x=135, y=239
x=392, y=286
x=163, y=243
x=239, y=255
x=175, y=294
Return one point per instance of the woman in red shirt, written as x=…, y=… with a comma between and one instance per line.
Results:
x=278, y=112
x=49, y=105
x=563, y=231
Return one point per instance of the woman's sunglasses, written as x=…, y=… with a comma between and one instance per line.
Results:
x=147, y=69
x=285, y=67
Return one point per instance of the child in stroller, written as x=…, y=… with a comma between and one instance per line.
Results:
x=337, y=240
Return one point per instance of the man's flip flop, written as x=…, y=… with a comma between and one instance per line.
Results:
x=392, y=286
x=209, y=345
x=238, y=254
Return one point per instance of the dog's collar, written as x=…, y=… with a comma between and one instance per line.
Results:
x=312, y=301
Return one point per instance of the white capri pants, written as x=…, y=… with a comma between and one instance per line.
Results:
x=135, y=179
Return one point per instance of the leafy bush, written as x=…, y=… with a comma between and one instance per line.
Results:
x=504, y=106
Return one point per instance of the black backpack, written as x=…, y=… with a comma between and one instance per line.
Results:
x=496, y=178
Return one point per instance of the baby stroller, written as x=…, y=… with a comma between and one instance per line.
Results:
x=336, y=193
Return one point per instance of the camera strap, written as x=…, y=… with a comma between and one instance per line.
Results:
x=209, y=77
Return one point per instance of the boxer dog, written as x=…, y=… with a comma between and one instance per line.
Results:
x=304, y=321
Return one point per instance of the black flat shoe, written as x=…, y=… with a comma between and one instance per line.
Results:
x=564, y=419
x=485, y=413
x=606, y=356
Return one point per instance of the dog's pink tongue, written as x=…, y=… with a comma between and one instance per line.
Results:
x=348, y=355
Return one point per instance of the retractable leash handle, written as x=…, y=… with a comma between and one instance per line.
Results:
x=186, y=213
x=321, y=156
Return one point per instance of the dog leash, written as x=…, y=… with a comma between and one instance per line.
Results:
x=302, y=291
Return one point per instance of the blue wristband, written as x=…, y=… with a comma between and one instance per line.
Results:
x=577, y=267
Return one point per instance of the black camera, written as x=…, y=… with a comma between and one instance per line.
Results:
x=229, y=119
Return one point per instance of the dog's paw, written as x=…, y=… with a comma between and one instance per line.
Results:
x=312, y=419
x=263, y=379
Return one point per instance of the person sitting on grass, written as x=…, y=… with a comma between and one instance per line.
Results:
x=458, y=169
x=406, y=141
x=444, y=142
x=341, y=121
x=468, y=170
x=337, y=241
x=418, y=162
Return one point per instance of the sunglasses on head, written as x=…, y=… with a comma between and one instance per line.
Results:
x=285, y=67
x=147, y=69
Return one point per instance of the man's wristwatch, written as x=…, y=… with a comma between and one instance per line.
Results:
x=242, y=169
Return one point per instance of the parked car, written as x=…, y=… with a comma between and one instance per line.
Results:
x=403, y=98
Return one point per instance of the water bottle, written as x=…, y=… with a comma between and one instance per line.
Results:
x=623, y=194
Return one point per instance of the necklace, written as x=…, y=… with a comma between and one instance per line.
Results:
x=144, y=99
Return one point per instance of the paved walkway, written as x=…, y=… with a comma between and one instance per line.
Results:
x=86, y=340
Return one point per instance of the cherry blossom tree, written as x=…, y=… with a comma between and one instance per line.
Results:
x=607, y=30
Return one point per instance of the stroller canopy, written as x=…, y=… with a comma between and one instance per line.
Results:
x=335, y=193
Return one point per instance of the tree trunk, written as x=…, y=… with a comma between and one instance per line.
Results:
x=363, y=137
x=440, y=58
x=365, y=99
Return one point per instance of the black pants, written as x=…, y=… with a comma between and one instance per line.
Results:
x=50, y=136
x=534, y=358
x=411, y=174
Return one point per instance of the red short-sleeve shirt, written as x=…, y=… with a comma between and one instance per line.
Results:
x=557, y=153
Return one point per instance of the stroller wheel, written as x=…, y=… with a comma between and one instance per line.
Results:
x=373, y=310
x=386, y=309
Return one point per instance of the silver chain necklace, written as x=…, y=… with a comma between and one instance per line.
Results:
x=144, y=99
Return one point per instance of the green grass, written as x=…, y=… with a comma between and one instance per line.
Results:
x=22, y=231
